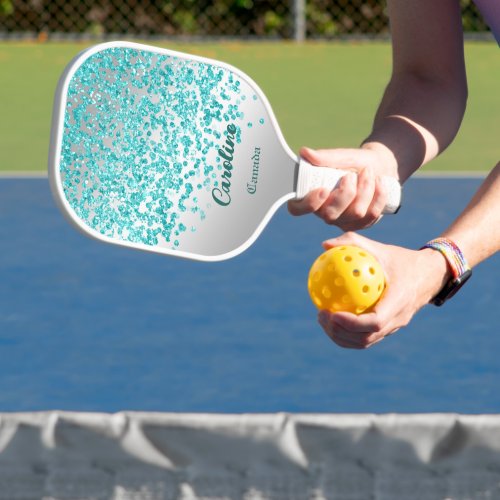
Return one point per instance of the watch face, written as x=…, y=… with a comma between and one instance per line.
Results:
x=451, y=288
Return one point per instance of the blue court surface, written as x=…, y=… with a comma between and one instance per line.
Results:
x=86, y=326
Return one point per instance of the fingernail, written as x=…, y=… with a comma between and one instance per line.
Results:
x=329, y=243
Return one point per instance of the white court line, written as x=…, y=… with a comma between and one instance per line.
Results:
x=23, y=175
x=453, y=174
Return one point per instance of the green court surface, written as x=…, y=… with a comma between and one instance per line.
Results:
x=324, y=95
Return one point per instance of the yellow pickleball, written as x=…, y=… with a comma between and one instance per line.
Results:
x=346, y=278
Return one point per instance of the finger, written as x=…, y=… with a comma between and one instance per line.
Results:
x=354, y=159
x=341, y=339
x=335, y=328
x=362, y=324
x=356, y=215
x=361, y=340
x=378, y=250
x=344, y=344
x=364, y=195
x=374, y=211
x=310, y=203
x=340, y=335
x=357, y=224
x=339, y=199
x=373, y=325
x=353, y=340
x=376, y=208
x=348, y=238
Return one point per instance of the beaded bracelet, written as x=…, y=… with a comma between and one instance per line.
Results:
x=459, y=267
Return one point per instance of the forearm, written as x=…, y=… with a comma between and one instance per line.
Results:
x=424, y=103
x=477, y=230
x=416, y=121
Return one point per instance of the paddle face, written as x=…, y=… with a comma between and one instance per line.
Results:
x=166, y=152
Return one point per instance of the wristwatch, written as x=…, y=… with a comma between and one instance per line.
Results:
x=459, y=267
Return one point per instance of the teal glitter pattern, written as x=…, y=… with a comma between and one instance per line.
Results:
x=141, y=134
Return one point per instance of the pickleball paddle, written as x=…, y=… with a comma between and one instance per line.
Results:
x=172, y=153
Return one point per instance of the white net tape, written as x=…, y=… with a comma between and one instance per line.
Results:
x=160, y=456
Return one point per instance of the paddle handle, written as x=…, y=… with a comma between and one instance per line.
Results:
x=312, y=177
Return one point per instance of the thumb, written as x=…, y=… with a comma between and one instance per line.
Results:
x=348, y=238
x=353, y=159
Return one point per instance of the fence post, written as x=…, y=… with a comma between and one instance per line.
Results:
x=299, y=20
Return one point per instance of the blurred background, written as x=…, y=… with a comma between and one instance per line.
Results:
x=283, y=19
x=323, y=65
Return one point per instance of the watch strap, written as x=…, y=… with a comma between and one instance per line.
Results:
x=457, y=263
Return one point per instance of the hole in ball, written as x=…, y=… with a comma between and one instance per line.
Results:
x=317, y=301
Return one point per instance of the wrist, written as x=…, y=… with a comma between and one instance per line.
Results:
x=457, y=265
x=388, y=165
x=437, y=273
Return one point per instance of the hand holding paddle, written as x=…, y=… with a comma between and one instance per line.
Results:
x=359, y=199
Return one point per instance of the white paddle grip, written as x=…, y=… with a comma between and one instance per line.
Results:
x=311, y=177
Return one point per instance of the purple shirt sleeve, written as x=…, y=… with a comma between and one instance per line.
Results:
x=490, y=9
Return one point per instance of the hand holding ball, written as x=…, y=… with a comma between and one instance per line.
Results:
x=346, y=278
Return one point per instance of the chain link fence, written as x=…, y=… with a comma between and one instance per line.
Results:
x=288, y=19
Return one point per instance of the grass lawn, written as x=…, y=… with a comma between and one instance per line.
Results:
x=324, y=95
